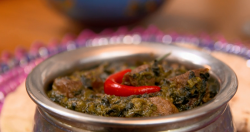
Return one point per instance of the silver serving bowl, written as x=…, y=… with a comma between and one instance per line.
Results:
x=214, y=115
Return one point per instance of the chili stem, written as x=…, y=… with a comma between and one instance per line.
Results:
x=163, y=57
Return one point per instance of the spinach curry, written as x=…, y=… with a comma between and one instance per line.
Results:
x=180, y=89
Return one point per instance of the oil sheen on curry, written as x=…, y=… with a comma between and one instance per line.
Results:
x=146, y=89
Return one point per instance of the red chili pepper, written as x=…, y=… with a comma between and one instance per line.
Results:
x=113, y=86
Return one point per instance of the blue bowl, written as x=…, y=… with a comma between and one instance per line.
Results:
x=106, y=12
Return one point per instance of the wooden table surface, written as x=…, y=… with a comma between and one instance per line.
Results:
x=23, y=22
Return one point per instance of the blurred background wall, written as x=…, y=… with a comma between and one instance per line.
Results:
x=25, y=21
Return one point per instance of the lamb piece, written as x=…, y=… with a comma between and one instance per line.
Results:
x=187, y=90
x=92, y=81
x=67, y=87
x=140, y=76
x=140, y=69
x=164, y=107
x=183, y=79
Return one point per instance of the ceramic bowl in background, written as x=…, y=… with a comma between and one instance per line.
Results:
x=106, y=12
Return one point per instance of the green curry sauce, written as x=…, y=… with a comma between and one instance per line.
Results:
x=181, y=90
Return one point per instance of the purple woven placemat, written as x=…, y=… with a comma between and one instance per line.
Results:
x=15, y=68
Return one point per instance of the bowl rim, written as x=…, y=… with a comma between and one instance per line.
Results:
x=227, y=91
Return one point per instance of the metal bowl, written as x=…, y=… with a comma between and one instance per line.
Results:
x=214, y=115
